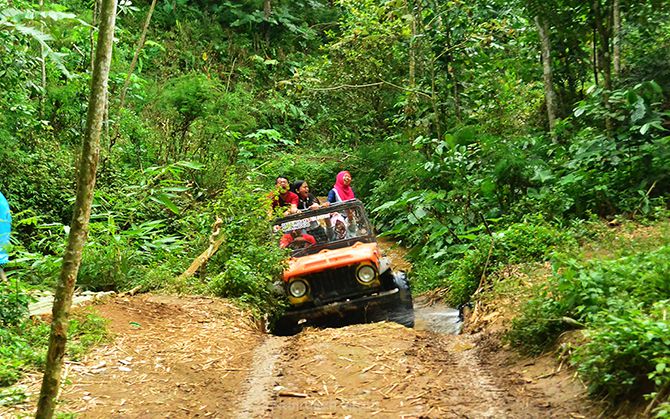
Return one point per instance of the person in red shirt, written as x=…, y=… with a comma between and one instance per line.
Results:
x=296, y=240
x=283, y=197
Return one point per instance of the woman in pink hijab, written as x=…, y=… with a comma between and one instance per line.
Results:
x=342, y=189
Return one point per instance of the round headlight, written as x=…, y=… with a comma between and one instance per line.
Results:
x=366, y=274
x=297, y=288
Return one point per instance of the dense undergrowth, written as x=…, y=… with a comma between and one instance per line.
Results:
x=615, y=291
x=438, y=111
x=23, y=342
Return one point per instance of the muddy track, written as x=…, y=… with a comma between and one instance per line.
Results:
x=260, y=383
x=202, y=357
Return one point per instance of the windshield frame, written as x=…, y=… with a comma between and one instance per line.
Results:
x=362, y=221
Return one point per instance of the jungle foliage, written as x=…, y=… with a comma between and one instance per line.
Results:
x=622, y=304
x=438, y=108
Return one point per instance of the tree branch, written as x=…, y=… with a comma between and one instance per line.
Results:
x=361, y=86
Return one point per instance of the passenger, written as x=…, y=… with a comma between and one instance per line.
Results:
x=342, y=189
x=306, y=201
x=296, y=240
x=283, y=197
x=5, y=230
x=318, y=232
x=339, y=228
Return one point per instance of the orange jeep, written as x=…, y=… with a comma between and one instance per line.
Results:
x=337, y=273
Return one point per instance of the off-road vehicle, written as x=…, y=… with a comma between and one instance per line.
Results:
x=337, y=274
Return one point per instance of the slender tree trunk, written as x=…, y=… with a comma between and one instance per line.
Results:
x=410, y=108
x=412, y=57
x=94, y=23
x=43, y=69
x=616, y=36
x=267, y=12
x=267, y=9
x=82, y=211
x=452, y=75
x=604, y=60
x=547, y=70
x=138, y=49
x=434, y=101
x=126, y=83
x=457, y=95
x=595, y=56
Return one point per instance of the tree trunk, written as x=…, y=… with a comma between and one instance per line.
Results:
x=138, y=49
x=549, y=93
x=43, y=70
x=267, y=9
x=434, y=101
x=126, y=83
x=604, y=60
x=81, y=215
x=94, y=23
x=616, y=36
x=595, y=56
x=452, y=76
x=410, y=107
x=267, y=12
x=216, y=239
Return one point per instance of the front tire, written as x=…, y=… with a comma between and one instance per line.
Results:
x=285, y=327
x=402, y=312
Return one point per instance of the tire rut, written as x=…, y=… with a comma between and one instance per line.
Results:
x=257, y=391
x=479, y=381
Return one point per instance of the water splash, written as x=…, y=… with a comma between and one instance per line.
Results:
x=438, y=318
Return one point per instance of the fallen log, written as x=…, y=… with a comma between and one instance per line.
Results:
x=214, y=244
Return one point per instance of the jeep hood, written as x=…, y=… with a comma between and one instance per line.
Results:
x=333, y=259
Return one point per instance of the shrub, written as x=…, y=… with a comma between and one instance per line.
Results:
x=519, y=243
x=628, y=351
x=623, y=304
x=23, y=346
x=13, y=304
x=581, y=291
x=248, y=261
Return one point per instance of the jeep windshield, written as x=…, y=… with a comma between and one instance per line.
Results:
x=336, y=226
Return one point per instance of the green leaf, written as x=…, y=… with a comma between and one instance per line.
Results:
x=165, y=200
x=656, y=87
x=190, y=165
x=384, y=206
x=639, y=110
x=644, y=128
x=419, y=213
x=542, y=175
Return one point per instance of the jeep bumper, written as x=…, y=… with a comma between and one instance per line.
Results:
x=354, y=310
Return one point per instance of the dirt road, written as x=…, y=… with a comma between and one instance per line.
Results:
x=203, y=357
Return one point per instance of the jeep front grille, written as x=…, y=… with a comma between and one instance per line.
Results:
x=335, y=284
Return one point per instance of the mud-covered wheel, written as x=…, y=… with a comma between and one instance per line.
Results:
x=285, y=327
x=404, y=312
